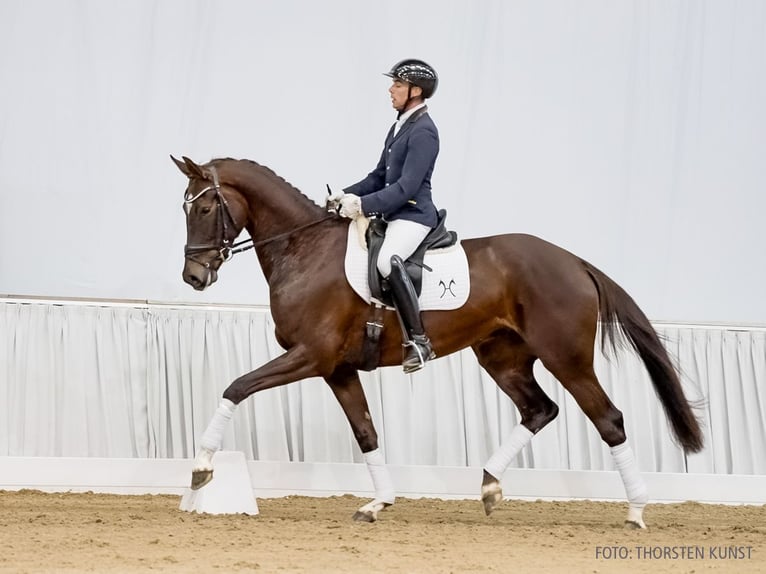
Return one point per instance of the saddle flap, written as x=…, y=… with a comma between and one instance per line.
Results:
x=438, y=238
x=446, y=286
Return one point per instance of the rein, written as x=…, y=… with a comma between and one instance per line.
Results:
x=286, y=233
x=225, y=249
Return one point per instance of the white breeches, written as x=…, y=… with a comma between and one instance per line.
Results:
x=402, y=238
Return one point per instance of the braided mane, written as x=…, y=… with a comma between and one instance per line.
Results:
x=270, y=174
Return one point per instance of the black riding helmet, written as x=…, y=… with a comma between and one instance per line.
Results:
x=417, y=73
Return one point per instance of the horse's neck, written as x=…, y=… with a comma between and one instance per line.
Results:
x=278, y=213
x=275, y=206
x=276, y=209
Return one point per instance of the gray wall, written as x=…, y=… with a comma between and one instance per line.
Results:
x=632, y=133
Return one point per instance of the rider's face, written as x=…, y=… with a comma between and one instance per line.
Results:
x=399, y=90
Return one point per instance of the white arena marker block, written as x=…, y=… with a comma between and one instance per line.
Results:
x=230, y=491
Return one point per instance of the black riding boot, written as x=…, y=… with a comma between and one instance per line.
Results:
x=418, y=349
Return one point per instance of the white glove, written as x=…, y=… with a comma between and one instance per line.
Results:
x=333, y=200
x=350, y=206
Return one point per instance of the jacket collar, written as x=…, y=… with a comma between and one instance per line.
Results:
x=408, y=124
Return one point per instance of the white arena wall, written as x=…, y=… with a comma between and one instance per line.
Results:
x=112, y=396
x=629, y=132
x=278, y=479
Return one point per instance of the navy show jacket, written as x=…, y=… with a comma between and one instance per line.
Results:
x=400, y=185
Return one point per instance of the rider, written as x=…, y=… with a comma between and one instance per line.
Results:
x=399, y=190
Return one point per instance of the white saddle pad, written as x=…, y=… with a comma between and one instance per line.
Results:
x=445, y=288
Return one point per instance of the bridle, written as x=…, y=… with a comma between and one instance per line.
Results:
x=226, y=221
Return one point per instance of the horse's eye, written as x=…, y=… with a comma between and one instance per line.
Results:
x=206, y=210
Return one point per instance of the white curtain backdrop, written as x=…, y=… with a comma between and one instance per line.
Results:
x=130, y=381
x=631, y=132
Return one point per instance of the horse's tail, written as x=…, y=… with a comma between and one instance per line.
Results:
x=618, y=310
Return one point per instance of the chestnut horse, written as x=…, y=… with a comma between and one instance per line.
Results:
x=529, y=300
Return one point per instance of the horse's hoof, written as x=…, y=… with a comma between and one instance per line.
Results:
x=369, y=512
x=633, y=525
x=491, y=502
x=491, y=497
x=366, y=516
x=635, y=519
x=200, y=478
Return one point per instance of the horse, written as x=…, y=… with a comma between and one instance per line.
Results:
x=529, y=300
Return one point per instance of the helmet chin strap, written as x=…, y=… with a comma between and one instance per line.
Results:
x=407, y=102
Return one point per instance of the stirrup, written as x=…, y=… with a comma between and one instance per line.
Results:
x=418, y=354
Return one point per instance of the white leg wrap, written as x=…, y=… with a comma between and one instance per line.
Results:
x=381, y=480
x=635, y=487
x=212, y=439
x=498, y=462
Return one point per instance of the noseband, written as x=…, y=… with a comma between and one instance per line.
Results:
x=225, y=248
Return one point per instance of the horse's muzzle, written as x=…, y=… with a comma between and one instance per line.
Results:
x=199, y=276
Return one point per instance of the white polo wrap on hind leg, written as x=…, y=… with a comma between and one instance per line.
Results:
x=635, y=487
x=381, y=480
x=212, y=439
x=499, y=462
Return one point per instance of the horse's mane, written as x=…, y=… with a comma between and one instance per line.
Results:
x=269, y=174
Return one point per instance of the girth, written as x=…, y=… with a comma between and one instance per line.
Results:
x=438, y=238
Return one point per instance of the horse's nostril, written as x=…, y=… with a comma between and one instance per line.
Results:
x=192, y=279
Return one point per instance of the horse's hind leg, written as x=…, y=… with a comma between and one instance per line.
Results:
x=347, y=388
x=509, y=362
x=577, y=375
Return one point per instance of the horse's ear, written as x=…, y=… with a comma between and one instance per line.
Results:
x=189, y=168
x=195, y=169
x=183, y=166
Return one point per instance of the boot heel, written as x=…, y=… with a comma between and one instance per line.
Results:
x=418, y=353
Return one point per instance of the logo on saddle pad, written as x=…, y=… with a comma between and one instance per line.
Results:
x=444, y=288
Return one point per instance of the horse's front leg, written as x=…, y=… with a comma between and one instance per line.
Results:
x=287, y=368
x=347, y=388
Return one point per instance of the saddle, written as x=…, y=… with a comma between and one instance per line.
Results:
x=438, y=238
